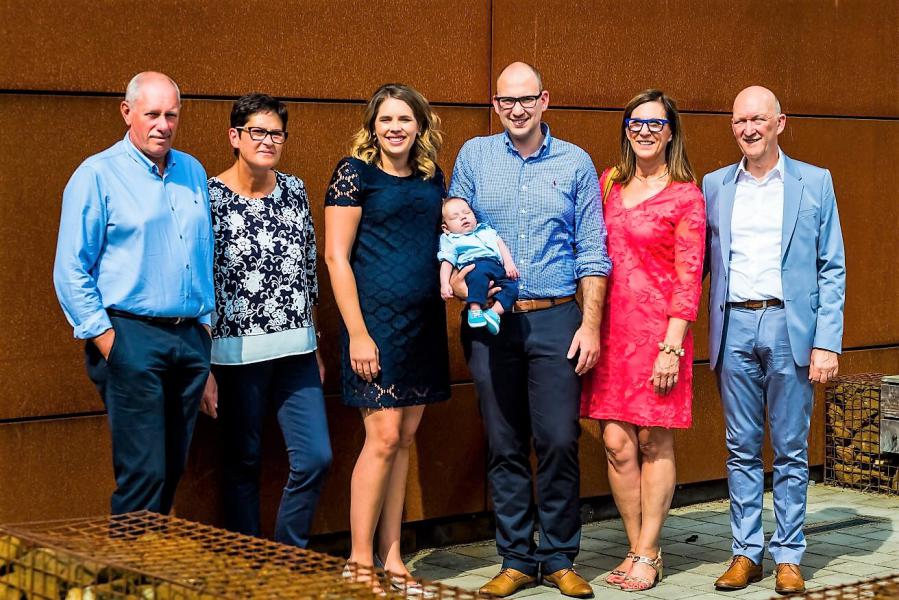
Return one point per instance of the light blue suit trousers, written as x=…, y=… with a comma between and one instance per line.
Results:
x=757, y=372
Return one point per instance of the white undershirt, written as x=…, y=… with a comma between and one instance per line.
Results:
x=755, y=228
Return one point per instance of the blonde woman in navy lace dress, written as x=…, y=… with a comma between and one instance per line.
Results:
x=382, y=222
x=264, y=348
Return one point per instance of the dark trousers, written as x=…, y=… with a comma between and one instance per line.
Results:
x=528, y=390
x=151, y=386
x=479, y=279
x=291, y=387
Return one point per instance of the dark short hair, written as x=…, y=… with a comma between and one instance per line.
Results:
x=249, y=104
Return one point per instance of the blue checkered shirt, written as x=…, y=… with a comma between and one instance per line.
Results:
x=545, y=207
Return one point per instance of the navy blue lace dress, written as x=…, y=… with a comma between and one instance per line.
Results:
x=397, y=275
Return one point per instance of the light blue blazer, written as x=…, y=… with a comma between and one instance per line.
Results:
x=813, y=265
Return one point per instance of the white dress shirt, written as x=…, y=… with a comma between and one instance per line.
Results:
x=756, y=224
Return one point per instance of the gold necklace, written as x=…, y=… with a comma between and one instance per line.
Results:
x=648, y=179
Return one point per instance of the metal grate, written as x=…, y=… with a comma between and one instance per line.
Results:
x=852, y=456
x=146, y=556
x=882, y=588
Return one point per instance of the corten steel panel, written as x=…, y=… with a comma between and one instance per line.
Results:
x=858, y=154
x=316, y=49
x=55, y=469
x=41, y=366
x=446, y=471
x=820, y=58
x=48, y=378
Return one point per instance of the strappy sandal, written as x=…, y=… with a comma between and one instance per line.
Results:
x=641, y=584
x=617, y=576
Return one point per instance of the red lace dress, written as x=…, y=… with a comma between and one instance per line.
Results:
x=656, y=249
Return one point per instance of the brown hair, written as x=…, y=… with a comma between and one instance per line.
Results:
x=679, y=168
x=423, y=157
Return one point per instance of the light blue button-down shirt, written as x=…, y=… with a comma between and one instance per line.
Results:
x=134, y=240
x=545, y=207
x=459, y=249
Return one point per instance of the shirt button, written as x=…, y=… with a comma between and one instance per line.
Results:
x=524, y=212
x=524, y=188
x=521, y=236
x=186, y=266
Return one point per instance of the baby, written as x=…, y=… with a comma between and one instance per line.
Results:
x=466, y=242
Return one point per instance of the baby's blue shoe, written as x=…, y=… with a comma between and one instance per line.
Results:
x=476, y=317
x=492, y=320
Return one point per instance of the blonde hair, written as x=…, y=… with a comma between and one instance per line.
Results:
x=423, y=156
x=679, y=168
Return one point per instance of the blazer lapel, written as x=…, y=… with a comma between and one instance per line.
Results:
x=725, y=214
x=792, y=196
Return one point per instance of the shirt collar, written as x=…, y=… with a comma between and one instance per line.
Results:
x=544, y=146
x=477, y=228
x=777, y=171
x=144, y=160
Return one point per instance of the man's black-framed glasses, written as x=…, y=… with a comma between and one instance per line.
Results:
x=257, y=134
x=508, y=102
x=654, y=125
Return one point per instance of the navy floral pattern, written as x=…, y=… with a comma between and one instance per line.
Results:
x=265, y=258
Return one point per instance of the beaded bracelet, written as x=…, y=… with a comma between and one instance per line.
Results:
x=669, y=349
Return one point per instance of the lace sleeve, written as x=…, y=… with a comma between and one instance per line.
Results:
x=689, y=247
x=345, y=188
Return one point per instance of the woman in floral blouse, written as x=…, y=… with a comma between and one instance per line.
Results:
x=264, y=351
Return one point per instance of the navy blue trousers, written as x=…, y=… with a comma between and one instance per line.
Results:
x=151, y=386
x=292, y=388
x=528, y=391
x=478, y=281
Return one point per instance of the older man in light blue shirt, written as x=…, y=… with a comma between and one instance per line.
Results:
x=133, y=274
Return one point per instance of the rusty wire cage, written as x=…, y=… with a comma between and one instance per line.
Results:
x=882, y=588
x=852, y=456
x=146, y=556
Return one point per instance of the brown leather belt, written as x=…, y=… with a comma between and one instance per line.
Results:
x=532, y=304
x=757, y=304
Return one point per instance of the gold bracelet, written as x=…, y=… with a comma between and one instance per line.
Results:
x=669, y=349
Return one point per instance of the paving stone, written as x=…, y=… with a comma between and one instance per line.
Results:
x=600, y=561
x=610, y=535
x=818, y=561
x=466, y=582
x=457, y=562
x=749, y=594
x=837, y=579
x=679, y=522
x=711, y=569
x=691, y=580
x=484, y=550
x=669, y=591
x=423, y=570
x=859, y=569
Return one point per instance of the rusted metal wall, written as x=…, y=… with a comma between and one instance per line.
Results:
x=63, y=66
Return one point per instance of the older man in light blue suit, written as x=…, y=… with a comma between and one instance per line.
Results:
x=775, y=252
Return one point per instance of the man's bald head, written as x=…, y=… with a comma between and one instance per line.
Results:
x=133, y=91
x=519, y=72
x=758, y=96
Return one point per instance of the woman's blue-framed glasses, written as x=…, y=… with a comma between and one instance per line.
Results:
x=654, y=125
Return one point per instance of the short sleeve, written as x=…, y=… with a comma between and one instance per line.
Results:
x=440, y=181
x=346, y=185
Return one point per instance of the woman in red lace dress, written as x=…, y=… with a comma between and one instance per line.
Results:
x=641, y=387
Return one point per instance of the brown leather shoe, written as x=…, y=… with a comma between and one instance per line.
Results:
x=788, y=579
x=741, y=572
x=507, y=582
x=569, y=583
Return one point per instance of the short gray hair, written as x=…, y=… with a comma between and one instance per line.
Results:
x=132, y=91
